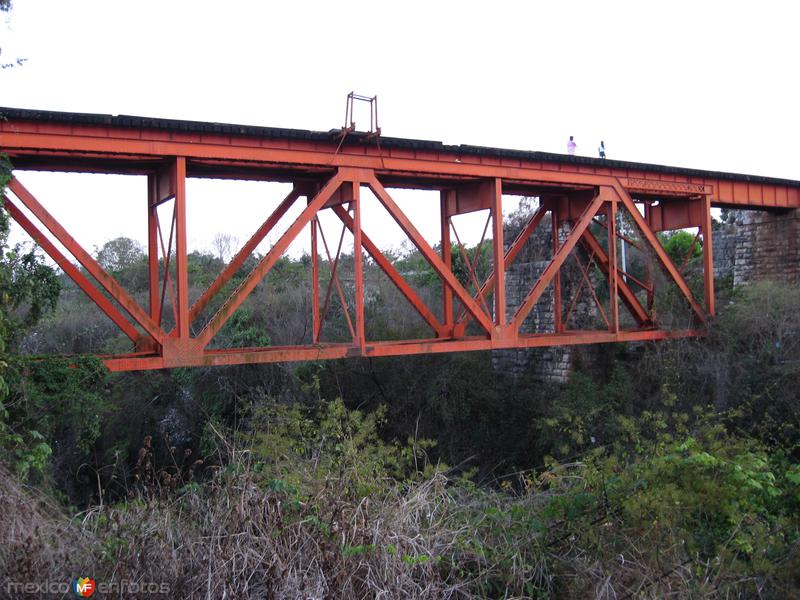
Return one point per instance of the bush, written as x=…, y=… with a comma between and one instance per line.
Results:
x=327, y=445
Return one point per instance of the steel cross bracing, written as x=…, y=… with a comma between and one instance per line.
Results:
x=583, y=203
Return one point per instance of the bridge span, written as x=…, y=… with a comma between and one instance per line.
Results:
x=592, y=210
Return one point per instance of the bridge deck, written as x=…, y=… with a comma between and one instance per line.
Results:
x=583, y=200
x=104, y=143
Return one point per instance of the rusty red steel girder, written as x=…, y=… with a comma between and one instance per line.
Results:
x=329, y=173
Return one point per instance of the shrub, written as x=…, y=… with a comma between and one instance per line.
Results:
x=326, y=444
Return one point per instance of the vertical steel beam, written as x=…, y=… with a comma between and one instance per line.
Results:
x=613, y=306
x=499, y=256
x=181, y=254
x=558, y=324
x=708, y=257
x=152, y=246
x=314, y=283
x=358, y=265
x=447, y=258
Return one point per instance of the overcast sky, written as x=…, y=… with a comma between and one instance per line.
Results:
x=711, y=85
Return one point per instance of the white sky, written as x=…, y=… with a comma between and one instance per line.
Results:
x=711, y=85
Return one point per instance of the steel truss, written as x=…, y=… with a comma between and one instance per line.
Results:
x=581, y=200
x=481, y=303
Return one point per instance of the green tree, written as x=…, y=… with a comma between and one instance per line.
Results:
x=28, y=290
x=677, y=245
x=120, y=253
x=28, y=287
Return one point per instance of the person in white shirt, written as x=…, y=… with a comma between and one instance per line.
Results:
x=602, y=149
x=571, y=146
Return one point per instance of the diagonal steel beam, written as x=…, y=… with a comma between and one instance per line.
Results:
x=246, y=250
x=469, y=264
x=392, y=273
x=109, y=284
x=629, y=298
x=585, y=279
x=555, y=264
x=512, y=252
x=620, y=236
x=635, y=280
x=433, y=259
x=691, y=250
x=72, y=271
x=334, y=282
x=166, y=252
x=268, y=261
x=662, y=255
x=332, y=267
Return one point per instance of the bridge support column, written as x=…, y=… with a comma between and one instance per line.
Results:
x=498, y=257
x=152, y=246
x=181, y=254
x=613, y=303
x=755, y=245
x=447, y=197
x=315, y=321
x=708, y=258
x=358, y=266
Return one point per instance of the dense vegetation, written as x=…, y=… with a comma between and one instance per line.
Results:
x=665, y=470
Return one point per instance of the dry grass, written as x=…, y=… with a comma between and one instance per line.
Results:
x=239, y=537
x=37, y=540
x=236, y=540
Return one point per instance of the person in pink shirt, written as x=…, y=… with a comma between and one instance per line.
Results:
x=571, y=146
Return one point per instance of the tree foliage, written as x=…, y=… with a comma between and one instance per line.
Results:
x=119, y=254
x=29, y=289
x=677, y=245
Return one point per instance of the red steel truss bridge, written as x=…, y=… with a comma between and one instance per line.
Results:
x=590, y=209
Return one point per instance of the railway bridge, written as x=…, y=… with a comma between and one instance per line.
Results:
x=593, y=211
